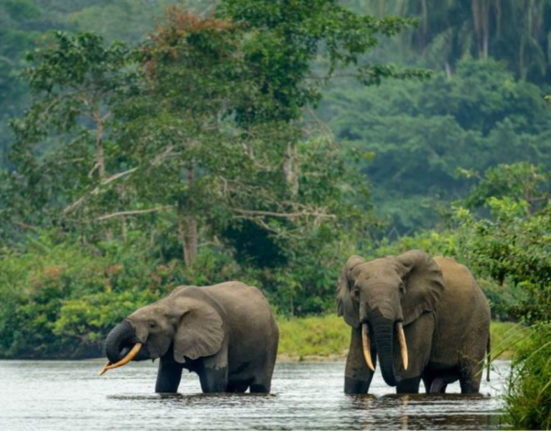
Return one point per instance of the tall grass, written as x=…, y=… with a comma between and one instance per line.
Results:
x=507, y=337
x=529, y=393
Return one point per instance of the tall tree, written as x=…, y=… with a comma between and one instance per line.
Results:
x=224, y=105
x=61, y=154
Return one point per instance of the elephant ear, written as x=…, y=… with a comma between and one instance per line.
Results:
x=424, y=283
x=200, y=331
x=346, y=306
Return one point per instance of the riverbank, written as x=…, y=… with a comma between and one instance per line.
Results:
x=327, y=338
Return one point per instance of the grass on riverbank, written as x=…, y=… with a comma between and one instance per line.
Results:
x=328, y=337
x=313, y=337
x=529, y=393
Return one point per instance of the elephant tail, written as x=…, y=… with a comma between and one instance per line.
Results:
x=488, y=359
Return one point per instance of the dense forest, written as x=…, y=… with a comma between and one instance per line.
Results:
x=266, y=141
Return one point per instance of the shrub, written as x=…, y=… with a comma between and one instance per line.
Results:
x=529, y=393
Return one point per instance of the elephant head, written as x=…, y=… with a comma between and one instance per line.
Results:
x=190, y=325
x=384, y=295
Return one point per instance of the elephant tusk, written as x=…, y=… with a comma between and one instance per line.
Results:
x=367, y=347
x=129, y=356
x=104, y=369
x=403, y=345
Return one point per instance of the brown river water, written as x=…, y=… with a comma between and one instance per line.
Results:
x=68, y=395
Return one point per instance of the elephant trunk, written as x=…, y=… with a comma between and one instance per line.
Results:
x=383, y=330
x=121, y=338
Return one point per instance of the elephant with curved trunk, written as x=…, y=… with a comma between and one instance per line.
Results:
x=423, y=318
x=226, y=333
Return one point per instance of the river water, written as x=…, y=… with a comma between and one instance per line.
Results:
x=68, y=395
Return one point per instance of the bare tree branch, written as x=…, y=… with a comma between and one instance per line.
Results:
x=133, y=212
x=96, y=189
x=7, y=60
x=283, y=215
x=25, y=226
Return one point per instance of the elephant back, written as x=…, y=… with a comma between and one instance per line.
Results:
x=247, y=316
x=462, y=314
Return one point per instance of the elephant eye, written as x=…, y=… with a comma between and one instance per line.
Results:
x=152, y=324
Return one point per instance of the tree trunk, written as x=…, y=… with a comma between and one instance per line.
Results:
x=187, y=232
x=100, y=158
x=481, y=23
x=124, y=228
x=485, y=28
x=291, y=168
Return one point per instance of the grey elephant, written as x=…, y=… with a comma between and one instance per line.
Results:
x=226, y=333
x=423, y=318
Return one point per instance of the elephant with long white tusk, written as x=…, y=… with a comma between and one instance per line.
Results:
x=421, y=318
x=226, y=333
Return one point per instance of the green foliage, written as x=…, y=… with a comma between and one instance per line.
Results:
x=430, y=138
x=285, y=37
x=62, y=296
x=62, y=150
x=507, y=338
x=449, y=31
x=522, y=180
x=41, y=282
x=313, y=337
x=529, y=394
x=515, y=249
x=16, y=37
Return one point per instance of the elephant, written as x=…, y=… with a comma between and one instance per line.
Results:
x=226, y=333
x=423, y=317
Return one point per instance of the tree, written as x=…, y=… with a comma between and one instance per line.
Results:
x=521, y=180
x=224, y=104
x=62, y=153
x=285, y=37
x=424, y=136
x=509, y=30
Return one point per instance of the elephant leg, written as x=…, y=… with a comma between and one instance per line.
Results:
x=418, y=336
x=436, y=381
x=357, y=375
x=260, y=388
x=427, y=381
x=213, y=379
x=168, y=375
x=261, y=383
x=438, y=386
x=408, y=386
x=470, y=377
x=213, y=371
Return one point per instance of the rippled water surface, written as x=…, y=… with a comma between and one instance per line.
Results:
x=68, y=395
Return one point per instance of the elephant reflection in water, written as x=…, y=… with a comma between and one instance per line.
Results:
x=226, y=333
x=423, y=318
